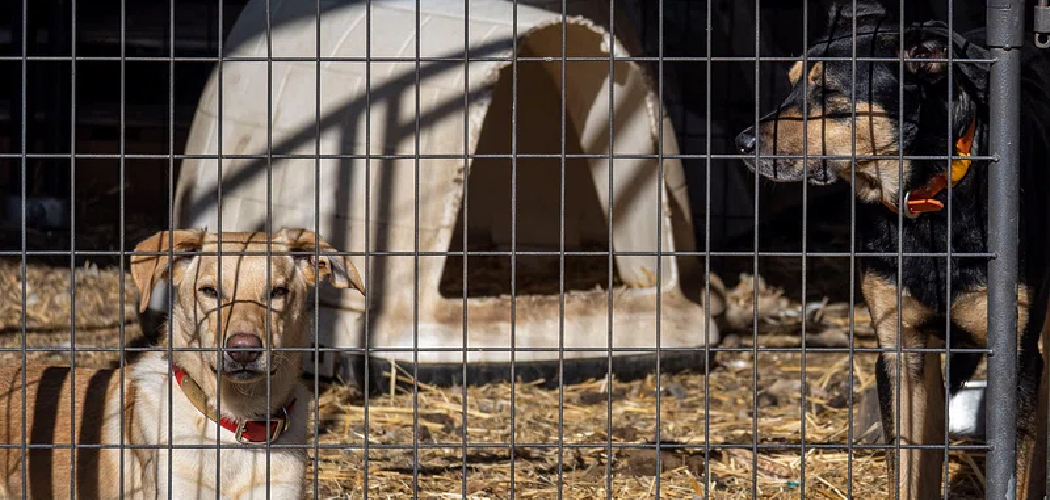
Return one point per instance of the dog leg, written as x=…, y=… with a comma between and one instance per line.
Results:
x=1033, y=379
x=910, y=387
x=1038, y=487
x=917, y=396
x=1031, y=426
x=970, y=312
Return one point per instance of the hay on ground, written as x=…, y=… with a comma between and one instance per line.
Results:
x=415, y=439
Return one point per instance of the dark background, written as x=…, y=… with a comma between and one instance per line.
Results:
x=160, y=97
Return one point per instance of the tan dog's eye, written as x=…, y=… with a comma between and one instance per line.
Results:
x=209, y=292
x=278, y=292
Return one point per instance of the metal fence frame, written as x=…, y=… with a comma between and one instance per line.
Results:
x=1005, y=24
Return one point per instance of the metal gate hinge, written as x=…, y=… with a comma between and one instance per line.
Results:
x=1041, y=24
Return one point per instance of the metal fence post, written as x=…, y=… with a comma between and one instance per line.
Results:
x=1005, y=36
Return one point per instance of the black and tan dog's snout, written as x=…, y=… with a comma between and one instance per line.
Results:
x=746, y=141
x=789, y=147
x=769, y=163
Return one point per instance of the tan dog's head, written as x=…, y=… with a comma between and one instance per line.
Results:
x=242, y=302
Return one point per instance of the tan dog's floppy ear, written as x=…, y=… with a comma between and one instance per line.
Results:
x=338, y=268
x=147, y=269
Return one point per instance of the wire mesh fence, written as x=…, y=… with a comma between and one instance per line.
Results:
x=522, y=248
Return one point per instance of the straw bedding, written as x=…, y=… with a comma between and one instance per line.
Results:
x=692, y=409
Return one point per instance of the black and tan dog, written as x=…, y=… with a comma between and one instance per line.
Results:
x=891, y=110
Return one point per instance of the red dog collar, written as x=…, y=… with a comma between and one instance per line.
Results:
x=919, y=201
x=245, y=431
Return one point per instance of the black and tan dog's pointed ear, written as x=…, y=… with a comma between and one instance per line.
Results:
x=841, y=16
x=924, y=48
x=146, y=270
x=925, y=54
x=337, y=268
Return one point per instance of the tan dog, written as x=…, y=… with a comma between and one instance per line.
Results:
x=94, y=407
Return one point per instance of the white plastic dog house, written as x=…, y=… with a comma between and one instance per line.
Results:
x=464, y=109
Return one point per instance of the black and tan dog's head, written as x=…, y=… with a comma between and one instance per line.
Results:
x=897, y=100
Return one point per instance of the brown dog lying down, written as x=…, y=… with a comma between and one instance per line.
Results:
x=92, y=407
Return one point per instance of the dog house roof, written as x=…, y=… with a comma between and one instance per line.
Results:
x=380, y=150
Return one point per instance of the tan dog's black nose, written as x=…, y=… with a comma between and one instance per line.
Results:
x=247, y=347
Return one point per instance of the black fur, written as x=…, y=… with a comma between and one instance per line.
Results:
x=921, y=126
x=921, y=122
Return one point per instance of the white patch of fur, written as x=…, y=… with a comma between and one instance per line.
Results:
x=243, y=473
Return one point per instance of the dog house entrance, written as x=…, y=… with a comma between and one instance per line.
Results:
x=609, y=109
x=489, y=200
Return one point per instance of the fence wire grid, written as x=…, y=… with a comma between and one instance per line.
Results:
x=574, y=285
